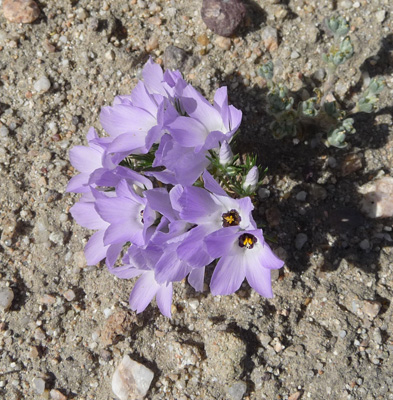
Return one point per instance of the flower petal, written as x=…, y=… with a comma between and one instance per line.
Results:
x=196, y=278
x=143, y=292
x=257, y=276
x=228, y=275
x=164, y=299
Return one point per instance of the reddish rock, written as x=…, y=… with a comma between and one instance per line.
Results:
x=223, y=16
x=21, y=11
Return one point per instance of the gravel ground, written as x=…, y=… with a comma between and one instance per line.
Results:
x=327, y=333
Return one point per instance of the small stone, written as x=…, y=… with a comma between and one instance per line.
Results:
x=57, y=395
x=365, y=244
x=175, y=58
x=371, y=308
x=47, y=299
x=273, y=216
x=42, y=85
x=300, y=241
x=318, y=192
x=69, y=295
x=347, y=4
x=351, y=163
x=21, y=11
x=378, y=198
x=110, y=55
x=34, y=352
x=295, y=396
x=263, y=193
x=270, y=38
x=223, y=16
x=342, y=334
x=237, y=390
x=131, y=380
x=223, y=42
x=152, y=43
x=6, y=297
x=203, y=40
x=295, y=55
x=380, y=15
x=277, y=345
x=301, y=196
x=39, y=385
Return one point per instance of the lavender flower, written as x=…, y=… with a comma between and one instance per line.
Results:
x=243, y=254
x=166, y=235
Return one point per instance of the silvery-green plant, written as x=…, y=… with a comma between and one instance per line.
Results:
x=321, y=110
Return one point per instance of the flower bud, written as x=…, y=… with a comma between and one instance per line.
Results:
x=251, y=181
x=225, y=155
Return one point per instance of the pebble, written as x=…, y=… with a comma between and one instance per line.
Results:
x=42, y=85
x=237, y=390
x=301, y=196
x=131, y=379
x=270, y=38
x=295, y=396
x=152, y=43
x=223, y=16
x=380, y=15
x=342, y=334
x=295, y=55
x=110, y=55
x=69, y=295
x=263, y=193
x=365, y=244
x=57, y=395
x=223, y=42
x=371, y=308
x=21, y=11
x=300, y=241
x=175, y=58
x=351, y=163
x=6, y=298
x=39, y=385
x=378, y=198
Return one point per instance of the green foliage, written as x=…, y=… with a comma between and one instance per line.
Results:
x=232, y=176
x=322, y=110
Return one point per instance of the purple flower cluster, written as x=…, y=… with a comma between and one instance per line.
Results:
x=172, y=220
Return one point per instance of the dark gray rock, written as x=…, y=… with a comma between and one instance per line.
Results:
x=175, y=58
x=223, y=16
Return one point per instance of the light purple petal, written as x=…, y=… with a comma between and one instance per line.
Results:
x=128, y=142
x=143, y=292
x=169, y=268
x=126, y=271
x=95, y=250
x=193, y=249
x=222, y=241
x=164, y=299
x=159, y=200
x=85, y=215
x=212, y=185
x=142, y=99
x=85, y=159
x=78, y=183
x=123, y=118
x=235, y=118
x=197, y=205
x=196, y=278
x=113, y=253
x=153, y=77
x=267, y=258
x=188, y=132
x=257, y=276
x=228, y=275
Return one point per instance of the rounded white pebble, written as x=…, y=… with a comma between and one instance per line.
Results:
x=42, y=85
x=6, y=297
